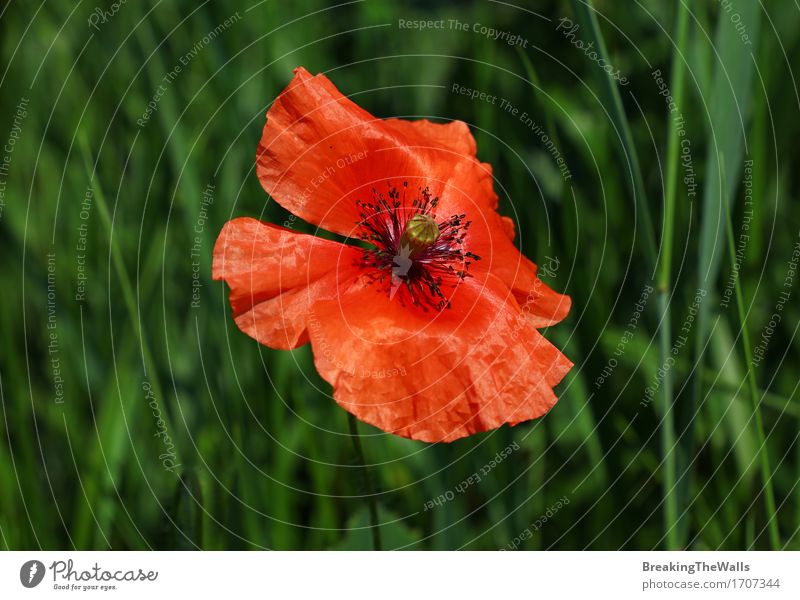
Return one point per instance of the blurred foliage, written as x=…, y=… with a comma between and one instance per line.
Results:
x=263, y=452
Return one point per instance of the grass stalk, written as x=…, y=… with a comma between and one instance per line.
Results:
x=729, y=93
x=763, y=451
x=585, y=13
x=664, y=289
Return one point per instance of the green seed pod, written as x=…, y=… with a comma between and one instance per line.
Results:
x=420, y=233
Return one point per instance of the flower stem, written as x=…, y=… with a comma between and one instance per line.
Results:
x=373, y=504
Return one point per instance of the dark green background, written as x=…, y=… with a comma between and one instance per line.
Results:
x=265, y=457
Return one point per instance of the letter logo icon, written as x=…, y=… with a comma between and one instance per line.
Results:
x=31, y=573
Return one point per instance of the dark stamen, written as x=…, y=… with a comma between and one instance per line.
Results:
x=408, y=252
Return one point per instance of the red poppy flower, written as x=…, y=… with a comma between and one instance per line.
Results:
x=425, y=320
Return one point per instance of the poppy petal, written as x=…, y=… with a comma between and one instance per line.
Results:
x=275, y=275
x=542, y=305
x=491, y=236
x=435, y=378
x=320, y=152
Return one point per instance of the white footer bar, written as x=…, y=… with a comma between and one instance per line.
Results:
x=400, y=575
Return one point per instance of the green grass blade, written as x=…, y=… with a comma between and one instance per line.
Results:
x=756, y=398
x=672, y=502
x=729, y=103
x=587, y=20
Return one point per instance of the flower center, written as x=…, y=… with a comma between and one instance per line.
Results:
x=413, y=251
